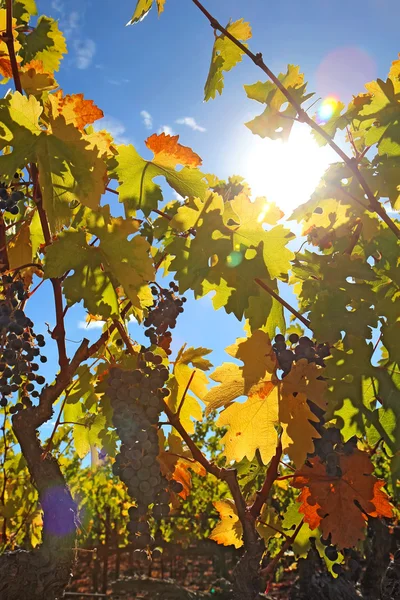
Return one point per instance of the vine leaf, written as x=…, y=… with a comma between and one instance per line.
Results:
x=333, y=502
x=24, y=9
x=252, y=425
x=45, y=43
x=185, y=375
x=269, y=517
x=75, y=109
x=143, y=8
x=135, y=175
x=100, y=270
x=229, y=530
x=259, y=363
x=176, y=461
x=35, y=80
x=230, y=251
x=300, y=387
x=274, y=122
x=225, y=56
x=68, y=169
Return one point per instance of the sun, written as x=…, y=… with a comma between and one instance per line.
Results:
x=286, y=173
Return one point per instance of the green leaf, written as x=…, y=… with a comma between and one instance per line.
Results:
x=23, y=10
x=45, y=43
x=274, y=122
x=135, y=175
x=225, y=56
x=100, y=270
x=68, y=169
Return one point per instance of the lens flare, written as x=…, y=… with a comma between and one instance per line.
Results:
x=234, y=259
x=327, y=108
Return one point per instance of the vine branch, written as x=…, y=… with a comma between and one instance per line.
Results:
x=9, y=40
x=271, y=476
x=290, y=308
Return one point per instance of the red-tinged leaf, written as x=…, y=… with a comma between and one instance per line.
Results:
x=341, y=502
x=169, y=153
x=75, y=109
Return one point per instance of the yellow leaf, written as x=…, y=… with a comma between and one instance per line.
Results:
x=20, y=248
x=259, y=362
x=229, y=530
x=257, y=354
x=232, y=386
x=251, y=425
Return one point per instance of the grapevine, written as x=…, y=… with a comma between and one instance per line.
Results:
x=305, y=456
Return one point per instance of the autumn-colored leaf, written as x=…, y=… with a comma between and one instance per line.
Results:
x=75, y=109
x=229, y=530
x=137, y=189
x=339, y=505
x=169, y=153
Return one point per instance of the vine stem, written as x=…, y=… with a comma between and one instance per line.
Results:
x=10, y=45
x=290, y=308
x=58, y=333
x=303, y=117
x=56, y=425
x=122, y=332
x=271, y=476
x=178, y=412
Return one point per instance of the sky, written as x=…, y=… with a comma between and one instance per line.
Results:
x=149, y=78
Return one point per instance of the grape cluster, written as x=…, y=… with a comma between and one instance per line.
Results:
x=19, y=347
x=301, y=347
x=9, y=198
x=163, y=316
x=137, y=401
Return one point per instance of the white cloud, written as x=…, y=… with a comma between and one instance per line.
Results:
x=166, y=129
x=70, y=23
x=190, y=122
x=147, y=119
x=57, y=5
x=100, y=324
x=117, y=81
x=90, y=324
x=115, y=127
x=84, y=52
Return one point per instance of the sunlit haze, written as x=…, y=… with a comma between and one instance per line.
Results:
x=286, y=173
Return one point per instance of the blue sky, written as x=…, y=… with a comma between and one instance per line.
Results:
x=151, y=76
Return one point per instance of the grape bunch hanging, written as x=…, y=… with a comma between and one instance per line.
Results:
x=10, y=196
x=137, y=402
x=19, y=347
x=137, y=399
x=300, y=347
x=163, y=316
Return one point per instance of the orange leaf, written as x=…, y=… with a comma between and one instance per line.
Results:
x=168, y=153
x=336, y=500
x=311, y=515
x=182, y=475
x=75, y=109
x=5, y=66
